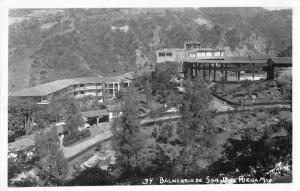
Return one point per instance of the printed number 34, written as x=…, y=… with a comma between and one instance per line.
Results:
x=147, y=181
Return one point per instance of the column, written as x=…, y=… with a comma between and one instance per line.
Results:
x=204, y=71
x=253, y=71
x=209, y=71
x=225, y=72
x=222, y=72
x=238, y=72
x=98, y=120
x=214, y=72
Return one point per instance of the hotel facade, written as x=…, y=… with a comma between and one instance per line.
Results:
x=103, y=87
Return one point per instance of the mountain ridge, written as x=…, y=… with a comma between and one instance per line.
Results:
x=114, y=41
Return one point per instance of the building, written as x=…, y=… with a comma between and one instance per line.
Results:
x=214, y=65
x=103, y=87
x=236, y=68
x=192, y=49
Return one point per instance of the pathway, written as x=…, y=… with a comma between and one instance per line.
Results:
x=71, y=151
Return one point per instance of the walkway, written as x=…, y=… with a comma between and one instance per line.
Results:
x=71, y=151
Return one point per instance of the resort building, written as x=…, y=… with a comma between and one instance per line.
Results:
x=213, y=64
x=103, y=87
x=192, y=49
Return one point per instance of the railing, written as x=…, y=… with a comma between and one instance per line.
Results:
x=88, y=88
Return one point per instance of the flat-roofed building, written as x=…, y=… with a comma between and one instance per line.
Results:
x=192, y=49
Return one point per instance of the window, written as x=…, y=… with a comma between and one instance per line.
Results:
x=192, y=55
x=126, y=84
x=75, y=93
x=81, y=92
x=208, y=53
x=161, y=54
x=169, y=54
x=111, y=91
x=110, y=85
x=81, y=85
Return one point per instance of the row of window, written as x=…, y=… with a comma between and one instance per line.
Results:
x=82, y=85
x=200, y=54
x=165, y=54
x=82, y=92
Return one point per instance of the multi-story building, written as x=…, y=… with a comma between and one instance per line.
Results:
x=103, y=87
x=192, y=49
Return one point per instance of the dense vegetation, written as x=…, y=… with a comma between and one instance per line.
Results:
x=96, y=42
x=252, y=144
x=91, y=42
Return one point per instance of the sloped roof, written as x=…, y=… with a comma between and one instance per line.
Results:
x=94, y=113
x=226, y=61
x=236, y=58
x=113, y=108
x=192, y=42
x=170, y=49
x=281, y=60
x=259, y=57
x=206, y=49
x=50, y=87
x=22, y=144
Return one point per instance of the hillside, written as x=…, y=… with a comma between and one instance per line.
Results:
x=49, y=44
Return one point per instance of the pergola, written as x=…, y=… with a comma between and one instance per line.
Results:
x=209, y=68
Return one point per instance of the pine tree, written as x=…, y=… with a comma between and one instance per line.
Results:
x=127, y=140
x=195, y=128
x=52, y=164
x=148, y=93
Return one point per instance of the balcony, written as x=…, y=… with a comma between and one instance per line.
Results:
x=88, y=88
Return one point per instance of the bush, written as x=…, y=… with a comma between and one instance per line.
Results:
x=68, y=140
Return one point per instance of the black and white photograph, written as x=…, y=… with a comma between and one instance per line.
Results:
x=118, y=96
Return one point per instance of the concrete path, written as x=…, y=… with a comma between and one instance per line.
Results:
x=71, y=151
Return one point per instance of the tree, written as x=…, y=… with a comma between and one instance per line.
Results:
x=22, y=162
x=52, y=166
x=69, y=110
x=20, y=113
x=127, y=140
x=195, y=128
x=148, y=93
x=255, y=156
x=91, y=177
x=43, y=165
x=164, y=73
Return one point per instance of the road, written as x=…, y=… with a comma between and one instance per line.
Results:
x=71, y=151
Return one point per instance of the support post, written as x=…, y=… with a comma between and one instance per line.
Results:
x=209, y=72
x=214, y=72
x=204, y=71
x=98, y=120
x=225, y=72
x=239, y=75
x=253, y=71
x=222, y=72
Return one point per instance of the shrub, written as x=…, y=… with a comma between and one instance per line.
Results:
x=68, y=140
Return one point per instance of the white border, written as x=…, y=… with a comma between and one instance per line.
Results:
x=5, y=5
